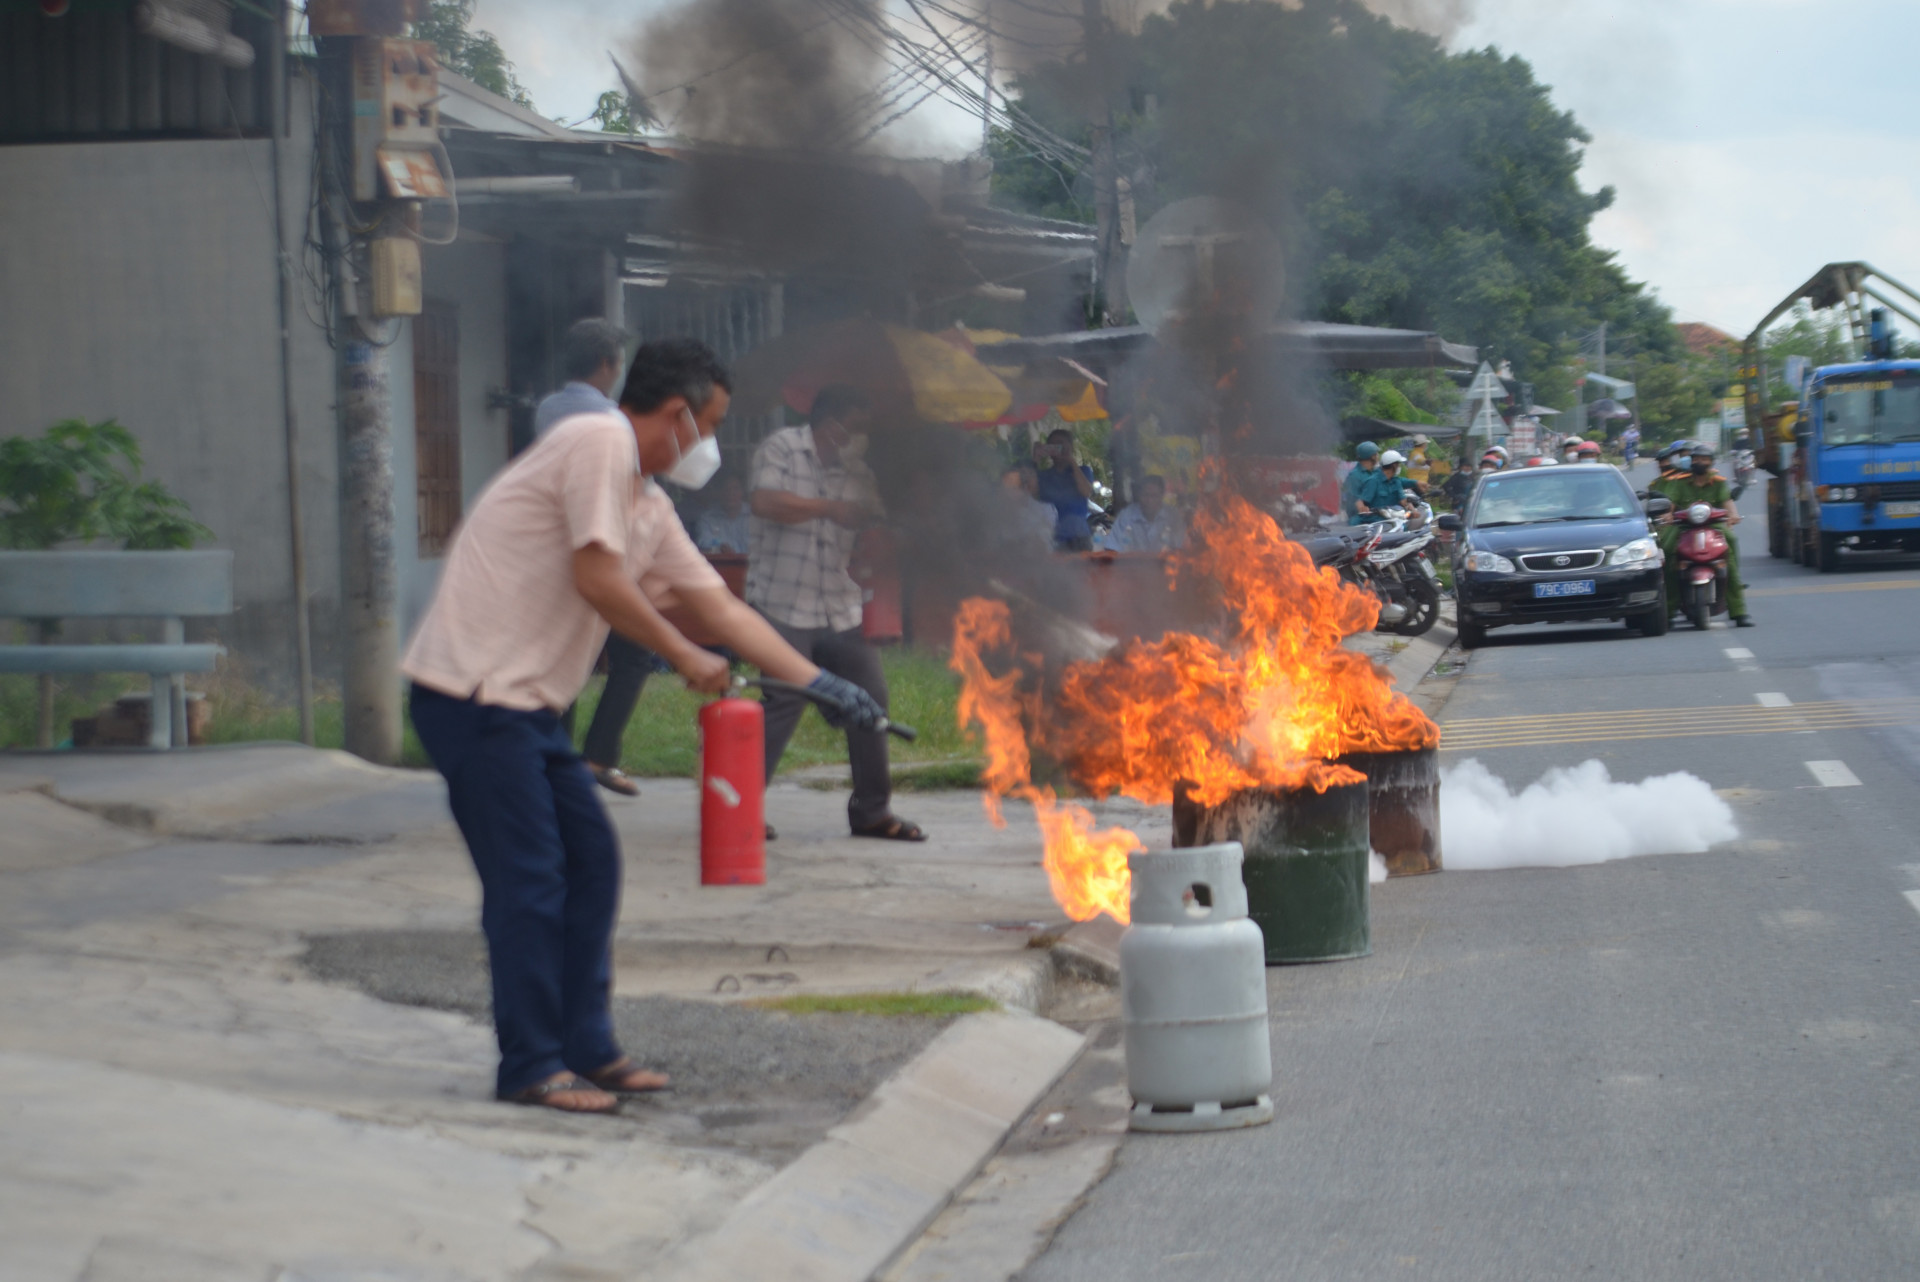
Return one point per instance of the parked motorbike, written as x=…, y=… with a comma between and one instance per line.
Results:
x=1390, y=558
x=1702, y=552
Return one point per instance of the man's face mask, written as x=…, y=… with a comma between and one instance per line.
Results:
x=1701, y=466
x=856, y=447
x=694, y=467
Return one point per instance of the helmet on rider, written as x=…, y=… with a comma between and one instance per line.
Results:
x=1702, y=458
x=1392, y=458
x=1587, y=450
x=1366, y=450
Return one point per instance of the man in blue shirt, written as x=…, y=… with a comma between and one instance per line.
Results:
x=593, y=359
x=1066, y=483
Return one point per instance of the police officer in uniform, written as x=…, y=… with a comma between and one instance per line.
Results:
x=1699, y=483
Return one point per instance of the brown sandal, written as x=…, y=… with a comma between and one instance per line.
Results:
x=624, y=1077
x=546, y=1095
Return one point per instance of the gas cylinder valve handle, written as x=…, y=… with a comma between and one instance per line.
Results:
x=894, y=728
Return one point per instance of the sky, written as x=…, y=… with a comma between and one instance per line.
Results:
x=1749, y=141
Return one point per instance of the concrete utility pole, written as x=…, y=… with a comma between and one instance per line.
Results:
x=369, y=573
x=290, y=423
x=1110, y=268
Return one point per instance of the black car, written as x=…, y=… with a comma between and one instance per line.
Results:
x=1562, y=544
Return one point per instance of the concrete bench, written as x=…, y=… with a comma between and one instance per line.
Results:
x=169, y=586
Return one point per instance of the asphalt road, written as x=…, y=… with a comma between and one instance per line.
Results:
x=1690, y=1067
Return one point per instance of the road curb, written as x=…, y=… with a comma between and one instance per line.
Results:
x=853, y=1202
x=1091, y=950
x=1411, y=665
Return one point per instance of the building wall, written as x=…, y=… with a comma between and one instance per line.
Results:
x=137, y=282
x=471, y=275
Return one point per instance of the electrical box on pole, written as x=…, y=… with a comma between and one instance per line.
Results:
x=396, y=120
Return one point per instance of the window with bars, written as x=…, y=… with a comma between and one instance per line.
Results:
x=436, y=424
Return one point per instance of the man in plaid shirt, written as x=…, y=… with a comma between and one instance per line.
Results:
x=810, y=494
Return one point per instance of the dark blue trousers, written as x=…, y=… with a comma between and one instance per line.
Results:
x=549, y=867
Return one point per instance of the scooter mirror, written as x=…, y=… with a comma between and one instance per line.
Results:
x=1450, y=521
x=1658, y=507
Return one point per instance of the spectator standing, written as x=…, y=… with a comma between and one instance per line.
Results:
x=1418, y=468
x=573, y=537
x=592, y=358
x=724, y=527
x=1150, y=525
x=809, y=493
x=1067, y=484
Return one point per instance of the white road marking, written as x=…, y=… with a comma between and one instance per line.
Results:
x=1737, y=652
x=1833, y=774
x=1772, y=699
x=1913, y=897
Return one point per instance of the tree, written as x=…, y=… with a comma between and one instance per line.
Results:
x=477, y=55
x=1411, y=187
x=1822, y=337
x=613, y=113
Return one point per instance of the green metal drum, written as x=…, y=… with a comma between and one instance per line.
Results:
x=1306, y=865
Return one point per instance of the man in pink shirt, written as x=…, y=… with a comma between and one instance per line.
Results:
x=571, y=539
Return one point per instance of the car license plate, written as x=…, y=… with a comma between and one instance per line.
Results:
x=1895, y=511
x=1572, y=587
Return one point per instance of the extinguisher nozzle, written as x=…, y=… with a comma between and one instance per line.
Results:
x=894, y=728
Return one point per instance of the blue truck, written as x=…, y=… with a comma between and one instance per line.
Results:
x=1844, y=453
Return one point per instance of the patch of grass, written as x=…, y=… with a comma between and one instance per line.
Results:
x=241, y=713
x=878, y=1004
x=940, y=776
x=663, y=737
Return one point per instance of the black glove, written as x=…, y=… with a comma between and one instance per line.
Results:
x=858, y=709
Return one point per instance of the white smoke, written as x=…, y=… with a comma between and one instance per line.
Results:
x=1575, y=815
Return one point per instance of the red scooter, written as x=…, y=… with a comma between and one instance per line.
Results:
x=1702, y=550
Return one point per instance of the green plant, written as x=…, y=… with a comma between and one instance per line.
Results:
x=80, y=483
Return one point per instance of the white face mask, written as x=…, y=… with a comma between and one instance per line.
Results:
x=855, y=449
x=695, y=467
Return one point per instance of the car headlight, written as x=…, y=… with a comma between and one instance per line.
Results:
x=1489, y=563
x=1637, y=552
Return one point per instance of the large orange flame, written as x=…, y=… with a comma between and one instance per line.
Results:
x=1268, y=702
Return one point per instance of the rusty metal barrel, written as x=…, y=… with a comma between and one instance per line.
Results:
x=1305, y=869
x=1403, y=805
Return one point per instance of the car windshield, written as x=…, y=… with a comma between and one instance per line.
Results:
x=1548, y=494
x=1872, y=411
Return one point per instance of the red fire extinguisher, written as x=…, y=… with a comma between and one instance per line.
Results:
x=733, y=786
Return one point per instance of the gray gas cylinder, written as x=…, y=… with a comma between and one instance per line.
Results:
x=1193, y=990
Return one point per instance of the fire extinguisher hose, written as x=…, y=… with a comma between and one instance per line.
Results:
x=828, y=702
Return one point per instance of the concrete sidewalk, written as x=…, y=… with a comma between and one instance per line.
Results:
x=242, y=1033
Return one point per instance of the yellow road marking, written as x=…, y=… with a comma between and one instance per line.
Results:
x=1469, y=734
x=1875, y=585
